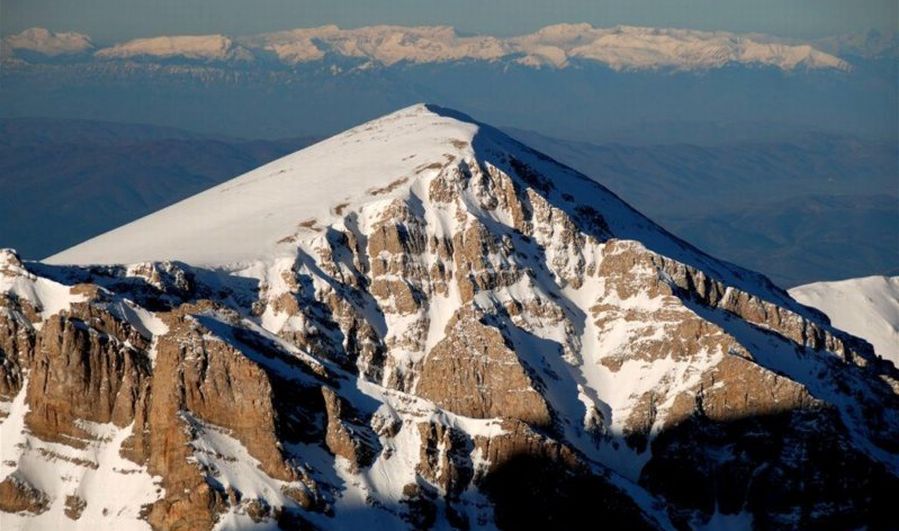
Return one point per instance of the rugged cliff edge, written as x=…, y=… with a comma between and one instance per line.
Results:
x=423, y=323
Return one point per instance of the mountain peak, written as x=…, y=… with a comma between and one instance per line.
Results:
x=408, y=157
x=256, y=215
x=417, y=317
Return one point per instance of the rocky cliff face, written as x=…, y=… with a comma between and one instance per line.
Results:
x=481, y=338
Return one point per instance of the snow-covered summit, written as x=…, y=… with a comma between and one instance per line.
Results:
x=196, y=47
x=867, y=307
x=46, y=42
x=263, y=215
x=247, y=218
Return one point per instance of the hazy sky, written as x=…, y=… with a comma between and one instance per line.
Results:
x=109, y=20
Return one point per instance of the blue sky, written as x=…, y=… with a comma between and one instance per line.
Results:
x=110, y=20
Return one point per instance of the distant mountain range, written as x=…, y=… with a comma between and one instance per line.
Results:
x=570, y=81
x=620, y=48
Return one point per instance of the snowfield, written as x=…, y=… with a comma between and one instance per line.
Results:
x=866, y=307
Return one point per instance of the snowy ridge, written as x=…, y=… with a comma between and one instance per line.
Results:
x=866, y=307
x=258, y=220
x=254, y=216
x=47, y=296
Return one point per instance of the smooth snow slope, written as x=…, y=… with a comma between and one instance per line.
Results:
x=250, y=217
x=866, y=307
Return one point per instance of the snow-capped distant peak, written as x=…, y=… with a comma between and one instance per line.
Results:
x=44, y=41
x=634, y=48
x=382, y=44
x=196, y=47
x=866, y=307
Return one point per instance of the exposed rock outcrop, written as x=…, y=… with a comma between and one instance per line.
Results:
x=345, y=436
x=17, y=495
x=473, y=372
